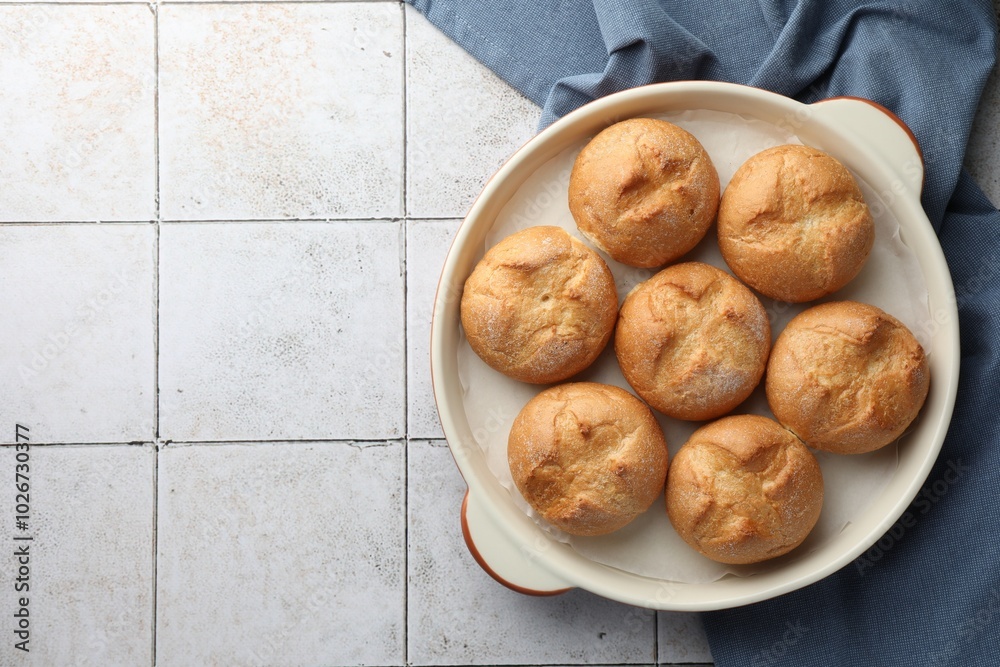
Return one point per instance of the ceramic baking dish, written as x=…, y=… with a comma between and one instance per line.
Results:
x=874, y=144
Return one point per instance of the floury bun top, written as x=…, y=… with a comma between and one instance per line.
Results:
x=645, y=191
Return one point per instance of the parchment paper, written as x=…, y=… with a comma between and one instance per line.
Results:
x=891, y=280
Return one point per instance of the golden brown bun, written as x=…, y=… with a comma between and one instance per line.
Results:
x=587, y=457
x=743, y=490
x=644, y=191
x=540, y=306
x=846, y=377
x=793, y=224
x=692, y=341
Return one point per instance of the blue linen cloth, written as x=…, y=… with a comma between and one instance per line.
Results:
x=930, y=595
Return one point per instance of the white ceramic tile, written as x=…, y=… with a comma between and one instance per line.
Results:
x=681, y=639
x=280, y=554
x=983, y=155
x=458, y=615
x=90, y=560
x=427, y=243
x=462, y=120
x=77, y=113
x=281, y=331
x=280, y=111
x=77, y=331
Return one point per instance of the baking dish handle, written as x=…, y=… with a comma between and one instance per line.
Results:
x=885, y=132
x=514, y=567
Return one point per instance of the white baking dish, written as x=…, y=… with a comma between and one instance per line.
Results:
x=875, y=145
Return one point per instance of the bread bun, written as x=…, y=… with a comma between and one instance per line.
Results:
x=743, y=489
x=793, y=224
x=644, y=191
x=846, y=377
x=540, y=306
x=692, y=341
x=587, y=457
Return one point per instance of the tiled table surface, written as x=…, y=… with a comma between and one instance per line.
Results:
x=229, y=373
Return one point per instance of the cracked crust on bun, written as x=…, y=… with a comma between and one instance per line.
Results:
x=540, y=306
x=588, y=457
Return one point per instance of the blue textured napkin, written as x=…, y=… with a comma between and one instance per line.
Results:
x=930, y=595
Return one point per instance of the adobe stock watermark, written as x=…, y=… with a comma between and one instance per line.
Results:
x=792, y=121
x=265, y=307
x=930, y=495
x=637, y=618
x=539, y=546
x=965, y=291
x=22, y=547
x=270, y=647
x=497, y=420
x=367, y=34
x=973, y=626
x=426, y=148
x=56, y=343
x=27, y=32
x=76, y=153
x=119, y=629
x=534, y=210
x=793, y=634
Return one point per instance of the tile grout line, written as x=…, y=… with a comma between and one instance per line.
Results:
x=156, y=505
x=114, y=3
x=406, y=206
x=237, y=221
x=580, y=664
x=154, y=8
x=286, y=441
x=362, y=442
x=406, y=371
x=156, y=222
x=656, y=636
x=156, y=433
x=565, y=664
